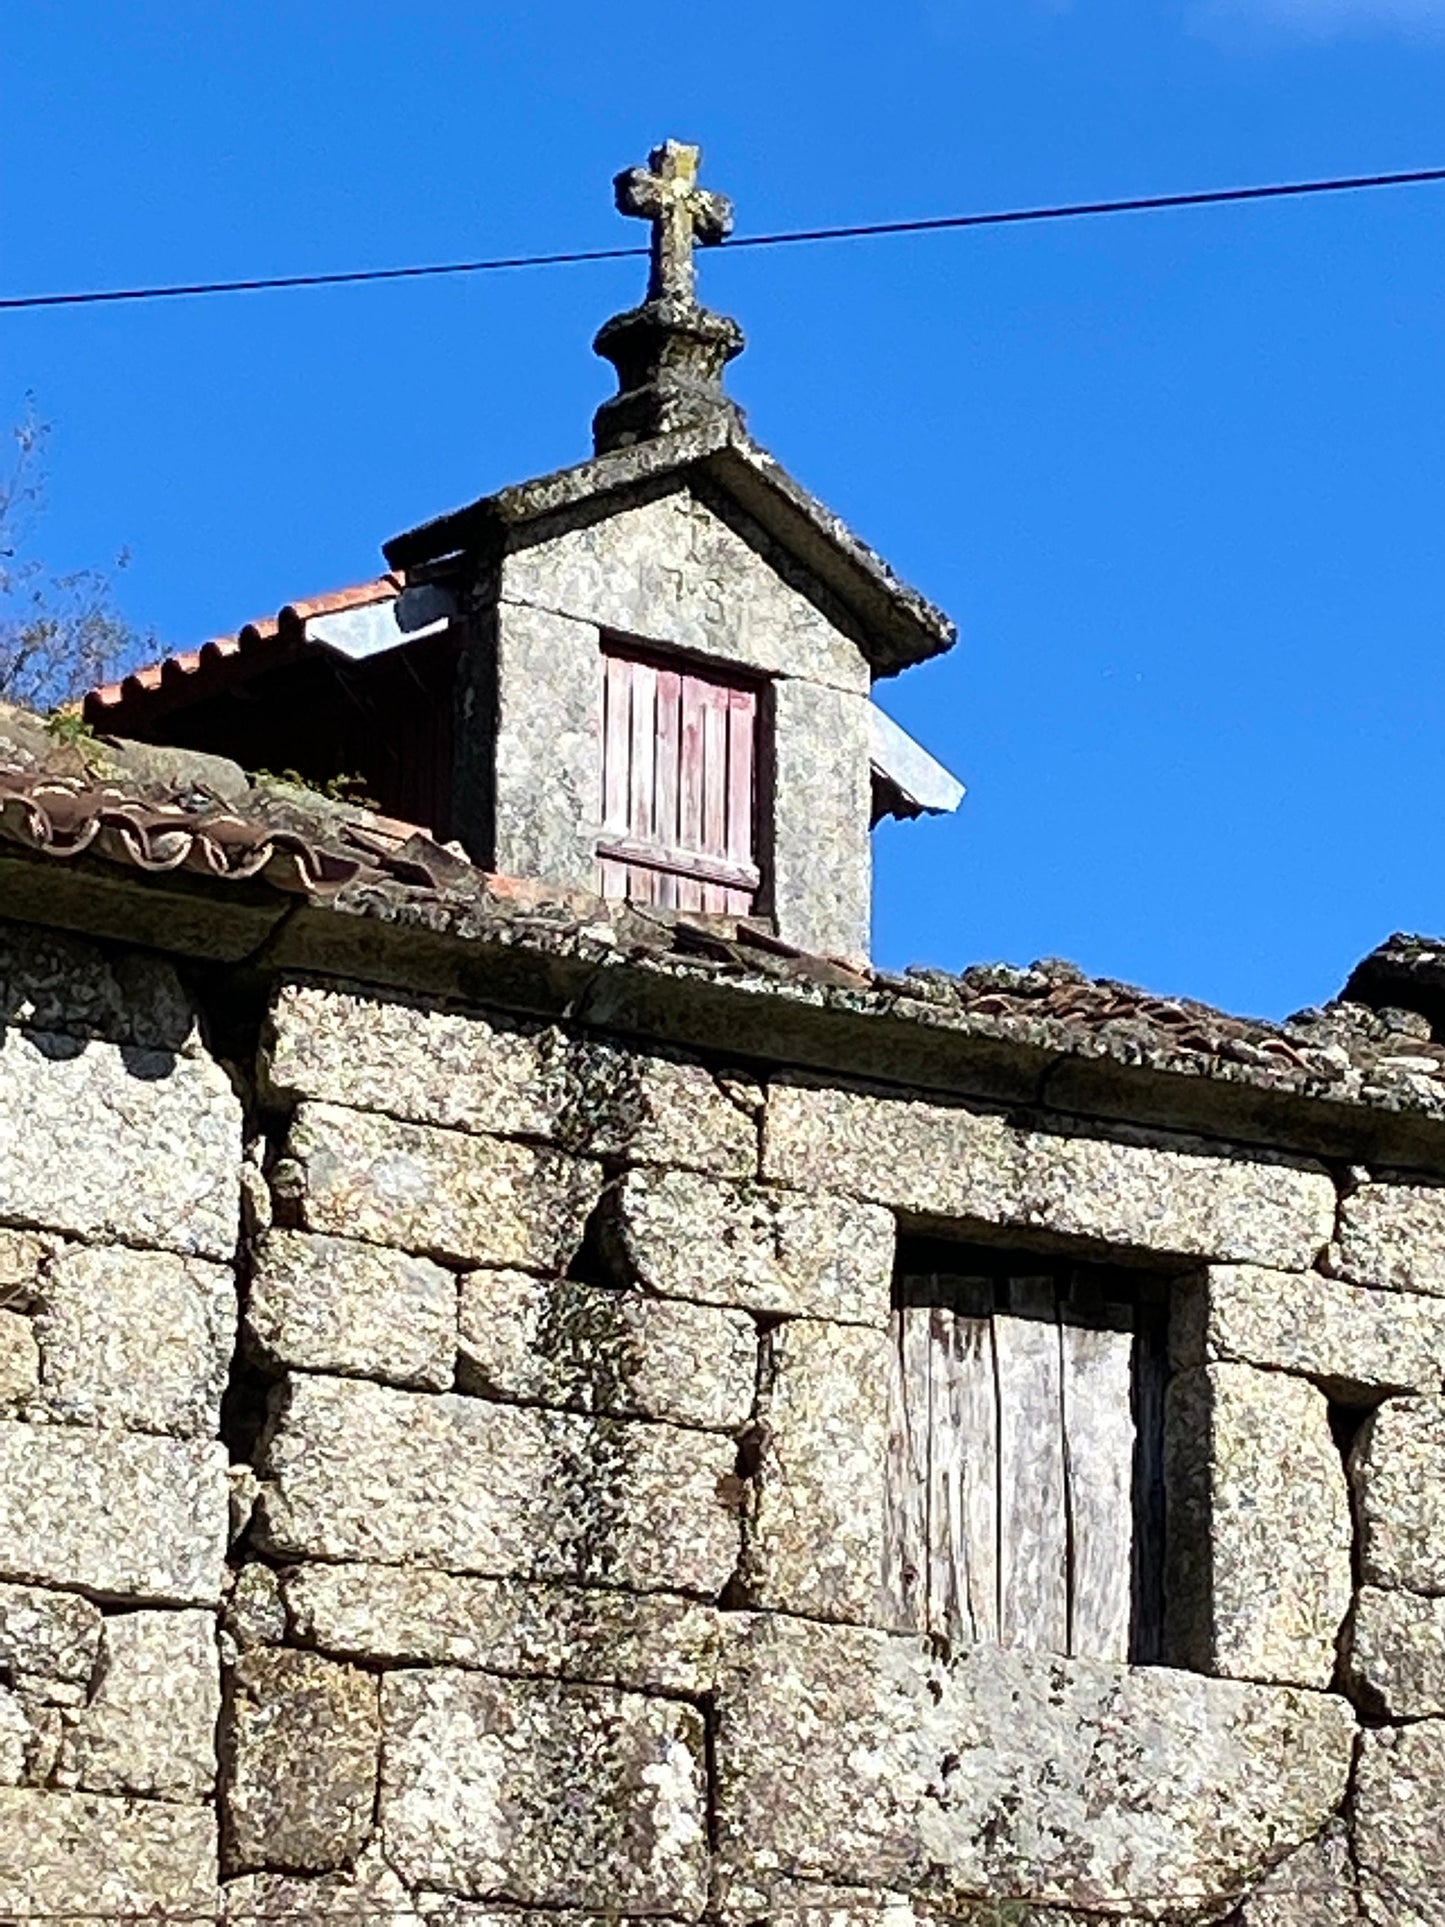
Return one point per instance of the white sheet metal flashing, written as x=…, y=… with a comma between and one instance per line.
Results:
x=374, y=627
x=923, y=785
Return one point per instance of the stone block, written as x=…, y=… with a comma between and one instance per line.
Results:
x=861, y=1759
x=1397, y=1468
x=23, y=1256
x=585, y=1348
x=332, y=1305
x=1260, y=1532
x=773, y=1252
x=482, y=1072
x=19, y=1360
x=465, y=1070
x=139, y=1340
x=1393, y=1235
x=150, y=1727
x=255, y=1610
x=939, y=1160
x=546, y=756
x=1399, y=1824
x=77, y=1857
x=674, y=571
x=299, y=1762
x=544, y=1794
x=399, y=1614
x=16, y=1739
x=58, y=983
x=1355, y=1344
x=822, y=857
x=814, y=1544
x=1395, y=1657
x=119, y=1145
x=118, y=1515
x=654, y=1109
x=363, y=1473
x=48, y=1640
x=443, y=1194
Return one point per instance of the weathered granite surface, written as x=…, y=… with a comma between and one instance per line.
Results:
x=54, y=982
x=150, y=1726
x=300, y=1749
x=859, y=1758
x=945, y=1161
x=49, y=1641
x=1355, y=1344
x=477, y=1773
x=1393, y=1235
x=73, y=1856
x=1315, y=1887
x=439, y=1193
x=333, y=1305
x=1399, y=1824
x=472, y=1071
x=116, y=1514
x=815, y=1530
x=1395, y=1656
x=590, y=1348
x=360, y=1472
x=647, y=1642
x=771, y=1252
x=138, y=1340
x=19, y=1363
x=546, y=758
x=1397, y=1468
x=118, y=1144
x=1259, y=1574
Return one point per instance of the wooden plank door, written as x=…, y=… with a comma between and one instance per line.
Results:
x=1014, y=1470
x=679, y=786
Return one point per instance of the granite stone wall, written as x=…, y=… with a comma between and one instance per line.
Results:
x=442, y=1469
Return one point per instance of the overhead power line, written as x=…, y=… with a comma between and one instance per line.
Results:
x=933, y=224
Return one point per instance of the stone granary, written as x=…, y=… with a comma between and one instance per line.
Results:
x=536, y=1386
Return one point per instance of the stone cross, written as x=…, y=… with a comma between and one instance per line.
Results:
x=666, y=193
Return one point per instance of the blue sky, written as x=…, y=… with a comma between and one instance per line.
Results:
x=1179, y=477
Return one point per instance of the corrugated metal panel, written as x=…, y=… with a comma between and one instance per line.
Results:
x=679, y=786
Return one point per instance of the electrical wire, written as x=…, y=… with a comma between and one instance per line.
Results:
x=934, y=224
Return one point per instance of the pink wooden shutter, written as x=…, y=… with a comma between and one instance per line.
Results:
x=679, y=762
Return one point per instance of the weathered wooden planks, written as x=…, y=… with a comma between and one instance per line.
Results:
x=1021, y=1496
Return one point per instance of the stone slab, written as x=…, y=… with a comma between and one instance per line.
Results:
x=364, y=1473
x=815, y=1538
x=138, y=1340
x=546, y=757
x=1393, y=1235
x=1397, y=1468
x=945, y=1161
x=1356, y=1344
x=773, y=1252
x=120, y=1515
x=76, y=1857
x=440, y=1194
x=368, y=1895
x=171, y=1131
x=1314, y=1887
x=333, y=1305
x=586, y=1348
x=150, y=1726
x=1259, y=1563
x=299, y=1753
x=544, y=1794
x=1395, y=1658
x=860, y=1758
x=1399, y=1824
x=402, y=1615
x=482, y=1072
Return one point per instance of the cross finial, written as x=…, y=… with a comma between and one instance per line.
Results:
x=666, y=193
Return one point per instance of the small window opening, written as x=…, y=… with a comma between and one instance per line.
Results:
x=1025, y=1475
x=680, y=804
